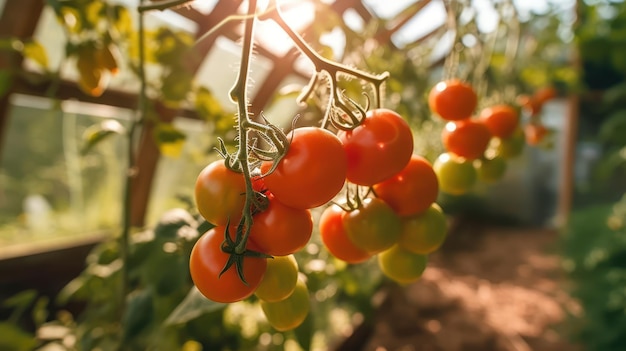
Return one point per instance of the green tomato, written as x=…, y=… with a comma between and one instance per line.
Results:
x=402, y=265
x=279, y=280
x=456, y=175
x=425, y=232
x=289, y=313
x=373, y=226
x=490, y=170
x=510, y=147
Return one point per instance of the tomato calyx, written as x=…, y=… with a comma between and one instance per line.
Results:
x=343, y=117
x=237, y=251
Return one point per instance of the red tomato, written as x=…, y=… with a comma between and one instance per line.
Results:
x=373, y=226
x=220, y=194
x=336, y=240
x=530, y=104
x=535, y=133
x=501, y=120
x=452, y=100
x=545, y=94
x=281, y=230
x=378, y=148
x=207, y=261
x=468, y=138
x=312, y=172
x=412, y=190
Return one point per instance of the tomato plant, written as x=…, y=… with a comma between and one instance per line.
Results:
x=468, y=138
x=402, y=265
x=206, y=262
x=378, y=148
x=279, y=280
x=501, y=120
x=312, y=171
x=456, y=175
x=281, y=230
x=425, y=232
x=373, y=226
x=452, y=100
x=290, y=312
x=220, y=194
x=335, y=238
x=412, y=190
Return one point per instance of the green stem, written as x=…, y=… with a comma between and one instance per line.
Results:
x=239, y=95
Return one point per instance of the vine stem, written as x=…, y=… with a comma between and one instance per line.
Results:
x=239, y=95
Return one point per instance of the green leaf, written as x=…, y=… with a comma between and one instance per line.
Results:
x=613, y=129
x=207, y=105
x=98, y=132
x=171, y=221
x=40, y=310
x=22, y=299
x=123, y=19
x=304, y=332
x=169, y=139
x=138, y=314
x=193, y=306
x=15, y=339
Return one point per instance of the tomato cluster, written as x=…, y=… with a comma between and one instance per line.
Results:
x=391, y=212
x=478, y=145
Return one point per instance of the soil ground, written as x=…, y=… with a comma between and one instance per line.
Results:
x=487, y=289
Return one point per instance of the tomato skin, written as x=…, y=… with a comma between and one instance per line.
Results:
x=452, y=100
x=424, y=233
x=378, y=148
x=312, y=172
x=402, y=265
x=456, y=175
x=510, y=147
x=289, y=313
x=207, y=261
x=279, y=280
x=467, y=138
x=412, y=190
x=373, y=226
x=220, y=194
x=490, y=170
x=501, y=120
x=335, y=238
x=281, y=230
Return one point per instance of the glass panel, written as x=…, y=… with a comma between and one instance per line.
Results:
x=49, y=190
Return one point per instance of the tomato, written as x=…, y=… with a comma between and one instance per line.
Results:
x=468, y=138
x=456, y=175
x=373, y=226
x=545, y=94
x=535, y=133
x=452, y=100
x=312, y=172
x=490, y=170
x=279, y=280
x=106, y=57
x=510, y=147
x=501, y=120
x=335, y=238
x=220, y=194
x=207, y=261
x=289, y=313
x=402, y=265
x=424, y=233
x=378, y=148
x=412, y=190
x=529, y=104
x=91, y=77
x=281, y=230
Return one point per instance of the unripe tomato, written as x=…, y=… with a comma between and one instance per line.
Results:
x=220, y=194
x=335, y=238
x=91, y=77
x=490, y=170
x=207, y=261
x=456, y=175
x=378, y=148
x=281, y=230
x=425, y=232
x=107, y=59
x=452, y=100
x=501, y=120
x=467, y=138
x=279, y=280
x=289, y=313
x=373, y=226
x=402, y=265
x=312, y=172
x=510, y=147
x=412, y=190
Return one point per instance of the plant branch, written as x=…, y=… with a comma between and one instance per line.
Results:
x=163, y=5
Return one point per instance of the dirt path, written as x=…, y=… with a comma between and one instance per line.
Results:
x=485, y=290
